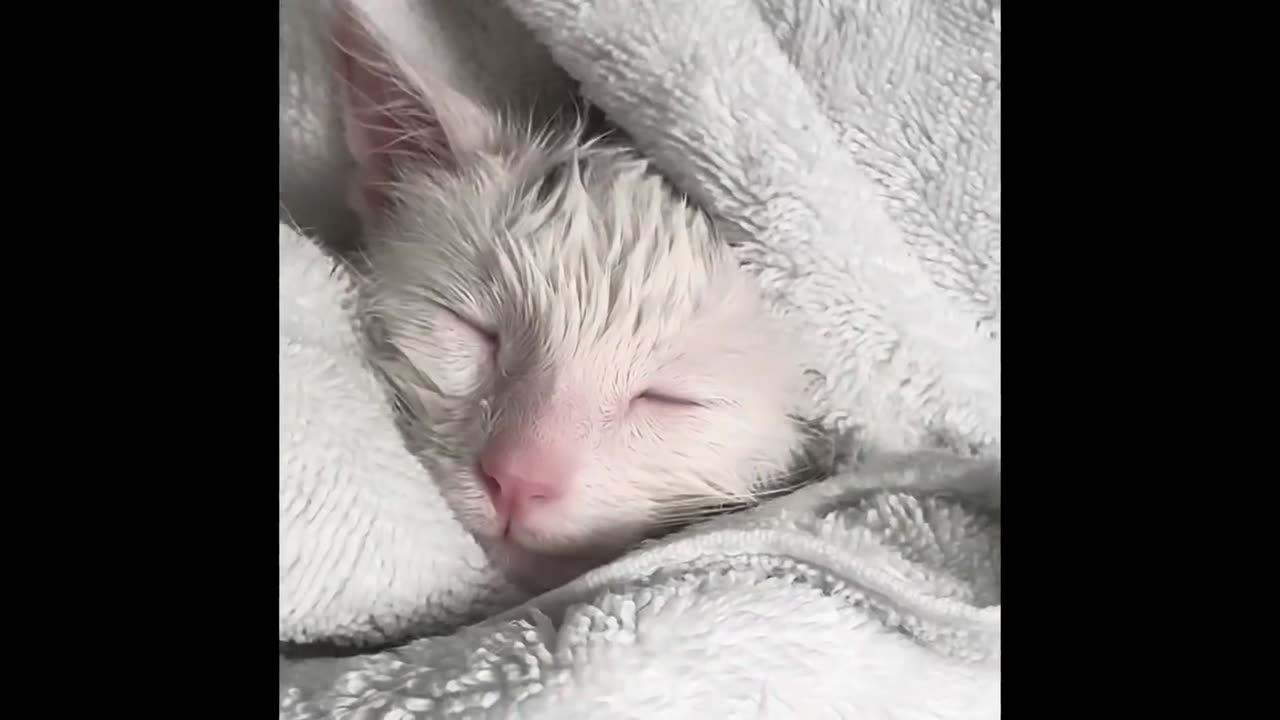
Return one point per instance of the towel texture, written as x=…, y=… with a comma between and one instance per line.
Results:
x=838, y=602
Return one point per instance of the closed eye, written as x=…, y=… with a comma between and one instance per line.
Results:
x=487, y=334
x=662, y=398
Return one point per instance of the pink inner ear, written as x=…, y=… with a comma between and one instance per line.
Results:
x=390, y=122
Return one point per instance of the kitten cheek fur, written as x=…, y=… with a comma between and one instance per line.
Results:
x=595, y=276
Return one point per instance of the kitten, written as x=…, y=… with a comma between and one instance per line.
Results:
x=580, y=359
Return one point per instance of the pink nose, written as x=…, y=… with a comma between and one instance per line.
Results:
x=524, y=472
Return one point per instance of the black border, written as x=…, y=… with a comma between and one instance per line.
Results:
x=146, y=342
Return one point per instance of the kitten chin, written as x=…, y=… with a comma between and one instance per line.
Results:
x=539, y=572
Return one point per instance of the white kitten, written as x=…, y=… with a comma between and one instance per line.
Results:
x=585, y=359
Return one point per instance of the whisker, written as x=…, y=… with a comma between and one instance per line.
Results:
x=687, y=509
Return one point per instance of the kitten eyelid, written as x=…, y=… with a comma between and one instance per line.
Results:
x=481, y=328
x=666, y=398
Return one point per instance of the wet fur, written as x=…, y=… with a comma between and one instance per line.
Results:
x=599, y=282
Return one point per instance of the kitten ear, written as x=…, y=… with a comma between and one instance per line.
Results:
x=393, y=119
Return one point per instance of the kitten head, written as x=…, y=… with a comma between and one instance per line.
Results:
x=585, y=359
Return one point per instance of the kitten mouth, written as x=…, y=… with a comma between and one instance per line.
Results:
x=531, y=567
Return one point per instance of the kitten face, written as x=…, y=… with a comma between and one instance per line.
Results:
x=586, y=358
x=593, y=326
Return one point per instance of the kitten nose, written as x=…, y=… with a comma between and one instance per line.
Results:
x=522, y=472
